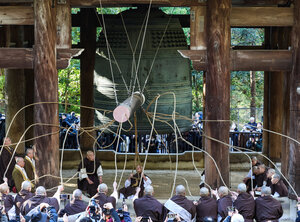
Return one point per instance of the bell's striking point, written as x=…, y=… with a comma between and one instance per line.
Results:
x=125, y=110
x=148, y=63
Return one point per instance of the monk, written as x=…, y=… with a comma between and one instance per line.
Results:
x=137, y=180
x=102, y=196
x=267, y=208
x=207, y=206
x=19, y=174
x=278, y=187
x=90, y=174
x=180, y=205
x=224, y=201
x=5, y=158
x=245, y=203
x=30, y=164
x=23, y=195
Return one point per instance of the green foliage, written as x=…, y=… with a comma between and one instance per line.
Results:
x=176, y=10
x=69, y=87
x=247, y=36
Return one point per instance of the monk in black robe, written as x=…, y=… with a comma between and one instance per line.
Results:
x=102, y=198
x=23, y=195
x=41, y=197
x=180, y=205
x=278, y=187
x=245, y=203
x=148, y=206
x=206, y=206
x=77, y=205
x=6, y=156
x=90, y=180
x=224, y=202
x=137, y=180
x=261, y=178
x=266, y=207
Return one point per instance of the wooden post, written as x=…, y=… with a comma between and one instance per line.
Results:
x=15, y=92
x=294, y=129
x=217, y=100
x=63, y=24
x=87, y=65
x=46, y=90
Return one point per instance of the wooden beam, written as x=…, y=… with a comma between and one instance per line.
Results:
x=198, y=28
x=16, y=15
x=261, y=16
x=186, y=3
x=217, y=99
x=246, y=60
x=256, y=16
x=16, y=58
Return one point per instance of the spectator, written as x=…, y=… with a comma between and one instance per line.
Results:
x=252, y=124
x=206, y=206
x=266, y=207
x=148, y=206
x=77, y=205
x=245, y=203
x=278, y=187
x=180, y=205
x=298, y=212
x=102, y=197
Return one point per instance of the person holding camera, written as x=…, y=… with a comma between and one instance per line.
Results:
x=148, y=206
x=76, y=206
x=206, y=206
x=245, y=203
x=42, y=213
x=180, y=205
x=41, y=197
x=102, y=197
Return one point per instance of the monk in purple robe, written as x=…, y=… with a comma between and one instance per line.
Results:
x=267, y=208
x=76, y=205
x=207, y=206
x=102, y=198
x=278, y=187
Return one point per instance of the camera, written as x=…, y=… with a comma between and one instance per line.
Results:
x=230, y=209
x=145, y=219
x=120, y=213
x=94, y=210
x=171, y=217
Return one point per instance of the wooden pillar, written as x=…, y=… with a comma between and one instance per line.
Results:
x=15, y=88
x=275, y=96
x=29, y=89
x=46, y=90
x=64, y=25
x=294, y=129
x=217, y=100
x=87, y=65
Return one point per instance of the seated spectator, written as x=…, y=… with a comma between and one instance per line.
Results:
x=180, y=205
x=224, y=201
x=137, y=180
x=245, y=203
x=206, y=206
x=278, y=187
x=252, y=124
x=266, y=207
x=23, y=195
x=254, y=143
x=41, y=197
x=77, y=205
x=148, y=206
x=8, y=201
x=102, y=197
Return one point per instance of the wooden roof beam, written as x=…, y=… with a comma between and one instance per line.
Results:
x=256, y=16
x=246, y=60
x=22, y=58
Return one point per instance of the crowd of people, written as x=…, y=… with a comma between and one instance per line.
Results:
x=254, y=199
